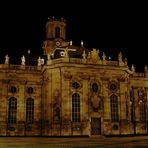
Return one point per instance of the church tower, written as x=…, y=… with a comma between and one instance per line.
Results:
x=55, y=35
x=55, y=28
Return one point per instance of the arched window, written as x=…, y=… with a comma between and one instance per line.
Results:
x=75, y=107
x=114, y=107
x=29, y=110
x=142, y=112
x=12, y=110
x=132, y=105
x=132, y=112
x=57, y=32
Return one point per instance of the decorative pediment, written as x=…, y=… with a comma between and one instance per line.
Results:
x=12, y=75
x=67, y=75
x=121, y=79
x=93, y=57
x=5, y=81
x=84, y=76
x=21, y=81
x=105, y=78
x=135, y=87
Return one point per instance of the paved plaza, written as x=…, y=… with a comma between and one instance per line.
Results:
x=92, y=142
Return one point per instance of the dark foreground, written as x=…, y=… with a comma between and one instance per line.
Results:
x=92, y=142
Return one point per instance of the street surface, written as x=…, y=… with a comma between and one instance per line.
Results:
x=92, y=142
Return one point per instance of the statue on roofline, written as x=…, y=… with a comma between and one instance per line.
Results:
x=133, y=68
x=95, y=55
x=6, y=59
x=39, y=61
x=120, y=57
x=84, y=54
x=23, y=60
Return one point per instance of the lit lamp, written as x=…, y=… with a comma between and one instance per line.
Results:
x=29, y=51
x=81, y=43
x=28, y=60
x=70, y=42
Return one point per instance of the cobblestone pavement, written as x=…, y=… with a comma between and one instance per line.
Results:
x=92, y=142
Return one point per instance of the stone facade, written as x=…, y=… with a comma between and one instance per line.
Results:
x=69, y=96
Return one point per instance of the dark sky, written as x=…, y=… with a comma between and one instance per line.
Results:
x=111, y=27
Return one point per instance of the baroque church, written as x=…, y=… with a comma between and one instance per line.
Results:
x=74, y=91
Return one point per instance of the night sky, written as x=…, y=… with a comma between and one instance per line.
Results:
x=110, y=27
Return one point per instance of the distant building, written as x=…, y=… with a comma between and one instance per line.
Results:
x=74, y=91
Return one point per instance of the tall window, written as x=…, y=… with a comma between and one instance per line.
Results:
x=132, y=112
x=29, y=110
x=57, y=32
x=114, y=107
x=76, y=107
x=12, y=110
x=142, y=112
x=132, y=104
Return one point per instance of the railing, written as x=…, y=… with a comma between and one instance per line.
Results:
x=139, y=74
x=19, y=67
x=80, y=61
x=74, y=60
x=68, y=60
x=113, y=63
x=55, y=61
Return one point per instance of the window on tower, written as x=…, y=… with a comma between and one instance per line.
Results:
x=57, y=32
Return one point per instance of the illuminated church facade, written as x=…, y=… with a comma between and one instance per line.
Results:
x=75, y=92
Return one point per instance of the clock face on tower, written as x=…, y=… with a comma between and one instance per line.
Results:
x=58, y=43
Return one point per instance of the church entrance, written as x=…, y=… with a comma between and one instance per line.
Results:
x=95, y=126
